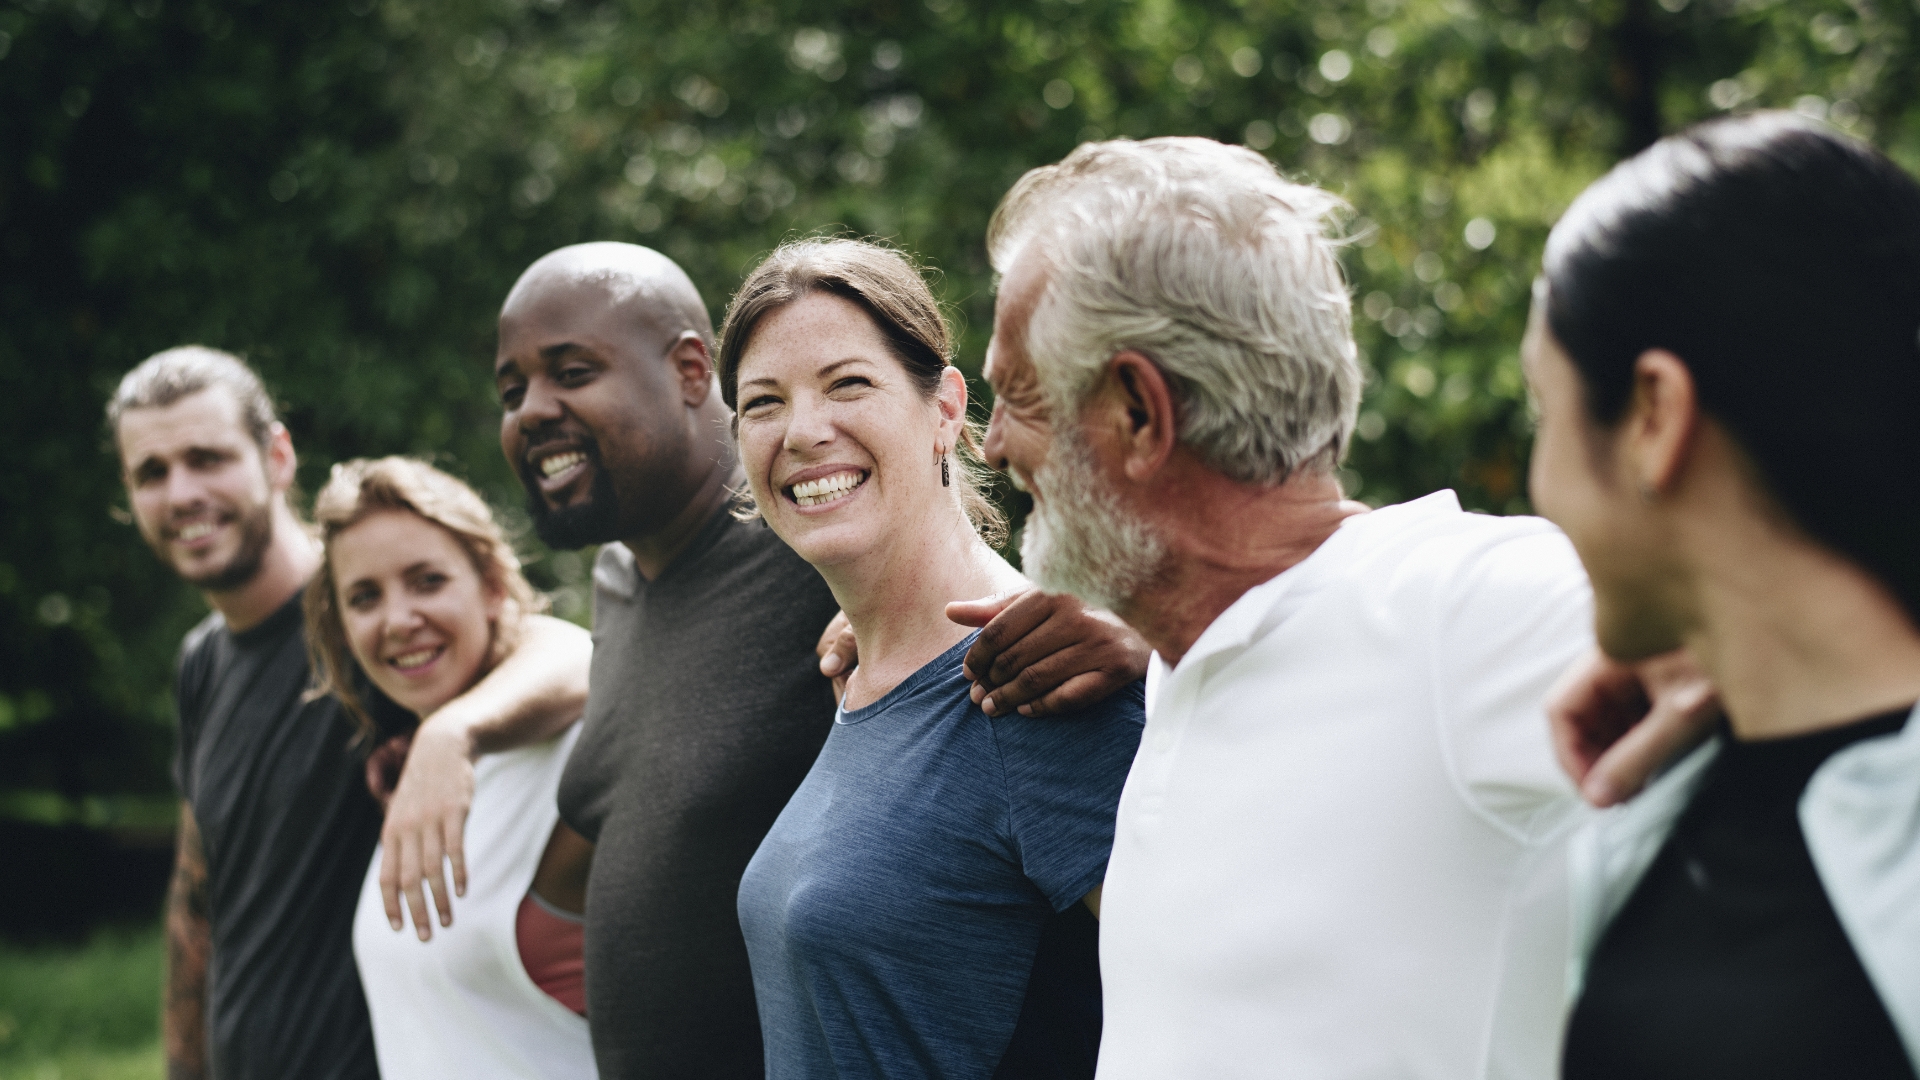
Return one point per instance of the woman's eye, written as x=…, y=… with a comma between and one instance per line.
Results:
x=759, y=403
x=430, y=582
x=852, y=382
x=362, y=599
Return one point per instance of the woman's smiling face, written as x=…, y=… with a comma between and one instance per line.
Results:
x=840, y=445
x=418, y=616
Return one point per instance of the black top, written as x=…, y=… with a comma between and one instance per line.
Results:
x=706, y=710
x=1728, y=959
x=288, y=828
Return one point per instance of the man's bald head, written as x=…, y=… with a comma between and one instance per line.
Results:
x=609, y=409
x=638, y=281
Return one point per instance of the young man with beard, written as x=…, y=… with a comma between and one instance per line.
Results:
x=1340, y=852
x=277, y=826
x=708, y=703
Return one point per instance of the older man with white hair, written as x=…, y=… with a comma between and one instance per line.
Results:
x=1341, y=849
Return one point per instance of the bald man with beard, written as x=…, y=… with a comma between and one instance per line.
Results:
x=708, y=704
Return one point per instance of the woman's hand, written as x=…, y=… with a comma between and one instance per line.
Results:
x=1615, y=725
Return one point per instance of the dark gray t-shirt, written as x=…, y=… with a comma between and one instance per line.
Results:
x=288, y=828
x=705, y=712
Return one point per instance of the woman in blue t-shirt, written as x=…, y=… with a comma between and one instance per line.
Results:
x=917, y=909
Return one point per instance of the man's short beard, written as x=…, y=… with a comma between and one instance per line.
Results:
x=1078, y=540
x=256, y=536
x=596, y=521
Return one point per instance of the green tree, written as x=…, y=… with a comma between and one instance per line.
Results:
x=343, y=191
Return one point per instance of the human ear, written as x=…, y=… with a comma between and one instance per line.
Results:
x=1144, y=408
x=693, y=367
x=1661, y=421
x=281, y=462
x=952, y=401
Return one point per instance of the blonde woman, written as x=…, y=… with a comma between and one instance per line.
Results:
x=917, y=908
x=422, y=592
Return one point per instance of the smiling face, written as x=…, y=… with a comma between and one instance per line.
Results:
x=1576, y=483
x=591, y=418
x=839, y=445
x=417, y=614
x=201, y=489
x=1079, y=539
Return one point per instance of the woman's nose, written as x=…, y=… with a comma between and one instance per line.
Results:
x=810, y=423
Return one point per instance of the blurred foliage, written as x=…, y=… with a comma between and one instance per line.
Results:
x=88, y=1013
x=343, y=190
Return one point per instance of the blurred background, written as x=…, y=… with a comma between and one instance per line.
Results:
x=342, y=191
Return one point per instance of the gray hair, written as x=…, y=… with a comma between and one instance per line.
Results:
x=1202, y=257
x=166, y=377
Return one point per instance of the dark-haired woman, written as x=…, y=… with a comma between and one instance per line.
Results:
x=916, y=911
x=1724, y=351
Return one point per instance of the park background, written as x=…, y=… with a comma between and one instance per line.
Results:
x=342, y=191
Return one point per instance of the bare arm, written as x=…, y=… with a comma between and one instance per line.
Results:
x=1615, y=725
x=183, y=1019
x=532, y=695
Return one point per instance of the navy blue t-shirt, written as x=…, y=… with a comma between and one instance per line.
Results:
x=895, y=915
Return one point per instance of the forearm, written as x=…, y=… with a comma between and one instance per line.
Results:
x=189, y=945
x=532, y=695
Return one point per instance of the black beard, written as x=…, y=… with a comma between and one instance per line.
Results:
x=256, y=535
x=596, y=521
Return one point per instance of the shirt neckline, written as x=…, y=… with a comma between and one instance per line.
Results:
x=283, y=618
x=932, y=669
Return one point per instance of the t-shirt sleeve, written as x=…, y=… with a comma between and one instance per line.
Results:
x=1064, y=775
x=1511, y=619
x=190, y=675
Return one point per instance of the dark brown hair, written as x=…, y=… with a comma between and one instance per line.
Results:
x=885, y=284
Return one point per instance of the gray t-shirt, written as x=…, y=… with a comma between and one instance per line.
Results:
x=288, y=829
x=706, y=710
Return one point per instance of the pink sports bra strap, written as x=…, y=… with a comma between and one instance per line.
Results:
x=552, y=949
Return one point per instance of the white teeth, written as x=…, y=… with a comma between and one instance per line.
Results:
x=195, y=531
x=827, y=488
x=560, y=463
x=412, y=659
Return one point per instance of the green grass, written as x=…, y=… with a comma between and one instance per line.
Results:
x=85, y=1013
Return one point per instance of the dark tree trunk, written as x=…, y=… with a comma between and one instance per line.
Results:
x=1636, y=76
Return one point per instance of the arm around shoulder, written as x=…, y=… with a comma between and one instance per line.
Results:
x=534, y=694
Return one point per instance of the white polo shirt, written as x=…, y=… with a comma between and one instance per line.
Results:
x=1341, y=850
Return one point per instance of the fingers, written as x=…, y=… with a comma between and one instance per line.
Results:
x=837, y=650
x=1076, y=693
x=433, y=861
x=390, y=880
x=1684, y=710
x=1592, y=705
x=841, y=655
x=453, y=830
x=410, y=884
x=982, y=611
x=1007, y=643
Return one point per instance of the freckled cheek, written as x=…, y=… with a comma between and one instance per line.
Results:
x=759, y=443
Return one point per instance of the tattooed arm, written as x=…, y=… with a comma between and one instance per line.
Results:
x=189, y=942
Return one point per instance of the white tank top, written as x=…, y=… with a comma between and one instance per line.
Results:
x=462, y=1005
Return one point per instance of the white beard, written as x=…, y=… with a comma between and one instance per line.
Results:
x=1077, y=540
